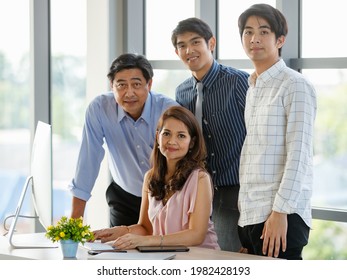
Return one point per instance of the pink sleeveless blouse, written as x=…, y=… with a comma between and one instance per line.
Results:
x=173, y=216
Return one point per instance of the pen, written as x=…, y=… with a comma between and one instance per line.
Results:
x=95, y=252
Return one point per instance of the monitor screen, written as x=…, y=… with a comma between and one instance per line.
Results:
x=41, y=172
x=39, y=181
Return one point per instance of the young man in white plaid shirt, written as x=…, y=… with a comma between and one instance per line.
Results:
x=276, y=159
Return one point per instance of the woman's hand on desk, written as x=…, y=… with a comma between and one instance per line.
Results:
x=130, y=241
x=109, y=234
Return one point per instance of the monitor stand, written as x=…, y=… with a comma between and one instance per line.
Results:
x=26, y=241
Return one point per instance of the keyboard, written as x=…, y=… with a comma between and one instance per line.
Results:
x=97, y=245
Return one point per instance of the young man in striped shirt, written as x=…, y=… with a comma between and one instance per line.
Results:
x=224, y=94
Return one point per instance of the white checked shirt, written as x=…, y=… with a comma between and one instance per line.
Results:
x=276, y=158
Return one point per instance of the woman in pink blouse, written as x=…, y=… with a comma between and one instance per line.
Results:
x=177, y=191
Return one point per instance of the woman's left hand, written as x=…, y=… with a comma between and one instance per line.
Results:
x=128, y=241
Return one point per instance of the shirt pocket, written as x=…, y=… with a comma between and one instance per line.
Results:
x=268, y=124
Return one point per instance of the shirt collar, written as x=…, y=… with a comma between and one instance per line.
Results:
x=146, y=113
x=273, y=71
x=210, y=76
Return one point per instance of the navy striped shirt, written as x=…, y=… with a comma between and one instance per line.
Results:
x=223, y=125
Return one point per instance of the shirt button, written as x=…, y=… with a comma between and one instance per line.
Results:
x=138, y=146
x=212, y=155
x=214, y=171
x=209, y=136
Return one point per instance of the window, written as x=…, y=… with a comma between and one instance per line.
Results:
x=165, y=81
x=14, y=104
x=161, y=18
x=160, y=47
x=330, y=178
x=330, y=141
x=327, y=241
x=321, y=35
x=229, y=41
x=68, y=61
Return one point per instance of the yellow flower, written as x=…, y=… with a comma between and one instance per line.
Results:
x=69, y=228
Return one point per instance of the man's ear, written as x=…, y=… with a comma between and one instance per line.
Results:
x=150, y=84
x=280, y=41
x=212, y=44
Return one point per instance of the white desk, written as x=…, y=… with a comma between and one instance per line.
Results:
x=195, y=253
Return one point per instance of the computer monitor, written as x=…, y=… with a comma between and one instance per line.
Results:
x=40, y=181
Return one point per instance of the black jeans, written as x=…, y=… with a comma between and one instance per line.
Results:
x=124, y=207
x=225, y=217
x=297, y=238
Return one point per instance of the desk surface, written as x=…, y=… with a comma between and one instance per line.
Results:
x=195, y=253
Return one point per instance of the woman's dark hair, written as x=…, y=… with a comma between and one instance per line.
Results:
x=194, y=159
x=131, y=61
x=194, y=25
x=274, y=17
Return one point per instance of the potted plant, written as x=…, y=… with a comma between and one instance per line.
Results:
x=69, y=232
